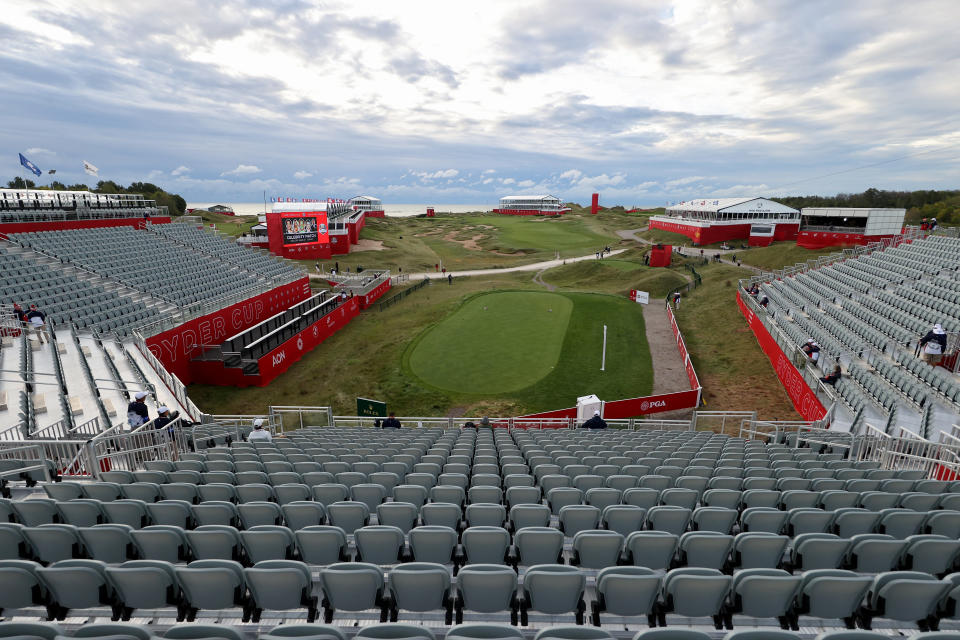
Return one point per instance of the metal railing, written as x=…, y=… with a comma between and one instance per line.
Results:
x=723, y=422
x=171, y=381
x=33, y=459
x=115, y=449
x=389, y=302
x=287, y=418
x=68, y=457
x=906, y=450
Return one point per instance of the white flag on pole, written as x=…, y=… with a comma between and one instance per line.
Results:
x=90, y=169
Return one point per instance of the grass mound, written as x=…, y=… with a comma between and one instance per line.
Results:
x=614, y=276
x=495, y=343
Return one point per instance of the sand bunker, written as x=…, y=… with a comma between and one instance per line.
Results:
x=368, y=245
x=470, y=244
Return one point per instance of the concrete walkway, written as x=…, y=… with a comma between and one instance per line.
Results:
x=631, y=234
x=535, y=266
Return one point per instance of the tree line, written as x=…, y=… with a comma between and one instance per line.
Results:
x=173, y=201
x=923, y=203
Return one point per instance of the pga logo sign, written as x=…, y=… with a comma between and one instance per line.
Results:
x=652, y=404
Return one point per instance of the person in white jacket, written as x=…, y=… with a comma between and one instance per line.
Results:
x=259, y=434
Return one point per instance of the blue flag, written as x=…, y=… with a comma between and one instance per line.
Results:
x=29, y=165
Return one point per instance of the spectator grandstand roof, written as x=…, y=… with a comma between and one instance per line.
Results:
x=735, y=204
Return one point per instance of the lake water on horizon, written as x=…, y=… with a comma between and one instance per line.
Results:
x=393, y=210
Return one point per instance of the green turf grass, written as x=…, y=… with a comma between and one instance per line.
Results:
x=629, y=370
x=553, y=382
x=494, y=343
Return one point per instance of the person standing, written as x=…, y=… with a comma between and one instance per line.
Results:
x=391, y=422
x=137, y=414
x=449, y=278
x=37, y=320
x=259, y=434
x=934, y=344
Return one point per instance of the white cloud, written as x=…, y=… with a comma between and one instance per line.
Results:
x=873, y=82
x=508, y=181
x=300, y=175
x=40, y=152
x=679, y=182
x=526, y=183
x=436, y=175
x=242, y=170
x=181, y=170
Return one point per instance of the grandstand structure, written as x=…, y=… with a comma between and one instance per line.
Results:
x=131, y=303
x=27, y=209
x=516, y=531
x=867, y=308
x=531, y=205
x=720, y=525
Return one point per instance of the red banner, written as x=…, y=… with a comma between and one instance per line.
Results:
x=175, y=347
x=60, y=225
x=281, y=358
x=804, y=399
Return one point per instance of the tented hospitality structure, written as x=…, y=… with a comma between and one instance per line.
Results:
x=706, y=221
x=545, y=205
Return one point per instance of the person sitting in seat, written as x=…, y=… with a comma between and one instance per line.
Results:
x=832, y=377
x=164, y=418
x=811, y=349
x=596, y=422
x=391, y=422
x=259, y=434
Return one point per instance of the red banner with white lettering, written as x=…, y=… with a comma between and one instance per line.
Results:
x=804, y=399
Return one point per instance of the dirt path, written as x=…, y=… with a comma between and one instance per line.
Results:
x=631, y=234
x=538, y=279
x=669, y=374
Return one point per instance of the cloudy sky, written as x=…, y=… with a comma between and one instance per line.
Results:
x=461, y=102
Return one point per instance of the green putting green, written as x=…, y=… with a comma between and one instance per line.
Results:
x=544, y=346
x=495, y=343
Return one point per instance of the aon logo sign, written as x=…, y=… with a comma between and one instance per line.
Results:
x=278, y=358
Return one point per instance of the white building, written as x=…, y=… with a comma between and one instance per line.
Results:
x=717, y=219
x=829, y=226
x=534, y=205
x=372, y=206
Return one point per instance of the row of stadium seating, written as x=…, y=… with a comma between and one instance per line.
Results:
x=150, y=263
x=405, y=631
x=67, y=587
x=64, y=298
x=398, y=536
x=867, y=308
x=217, y=246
